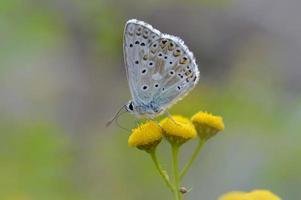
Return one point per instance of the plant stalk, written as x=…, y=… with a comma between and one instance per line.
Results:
x=193, y=157
x=162, y=172
x=175, y=164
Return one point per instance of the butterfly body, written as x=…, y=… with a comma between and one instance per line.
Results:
x=141, y=110
x=160, y=69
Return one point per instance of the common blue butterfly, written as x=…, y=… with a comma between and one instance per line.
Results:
x=160, y=69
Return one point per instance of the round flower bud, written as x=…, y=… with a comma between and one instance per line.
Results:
x=207, y=125
x=146, y=136
x=178, y=129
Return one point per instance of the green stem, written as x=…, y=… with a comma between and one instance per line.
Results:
x=175, y=165
x=193, y=157
x=162, y=172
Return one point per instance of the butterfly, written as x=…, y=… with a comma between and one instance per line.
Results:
x=160, y=69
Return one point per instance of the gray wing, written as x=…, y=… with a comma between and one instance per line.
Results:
x=179, y=74
x=138, y=36
x=160, y=68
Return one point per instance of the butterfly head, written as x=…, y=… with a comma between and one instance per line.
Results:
x=130, y=107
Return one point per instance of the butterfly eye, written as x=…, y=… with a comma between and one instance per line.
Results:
x=131, y=107
x=177, y=52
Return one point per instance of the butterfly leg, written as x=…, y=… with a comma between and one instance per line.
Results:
x=137, y=122
x=157, y=123
x=170, y=117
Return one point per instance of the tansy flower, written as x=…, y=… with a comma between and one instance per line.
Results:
x=235, y=196
x=207, y=125
x=262, y=195
x=254, y=195
x=178, y=129
x=146, y=136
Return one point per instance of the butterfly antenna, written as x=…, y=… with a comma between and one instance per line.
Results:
x=118, y=124
x=116, y=116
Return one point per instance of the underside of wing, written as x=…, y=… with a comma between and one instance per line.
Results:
x=138, y=36
x=160, y=67
x=179, y=71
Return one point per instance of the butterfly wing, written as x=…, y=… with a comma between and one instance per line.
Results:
x=138, y=36
x=160, y=68
x=179, y=74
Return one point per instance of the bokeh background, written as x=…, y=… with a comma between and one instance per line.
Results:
x=62, y=77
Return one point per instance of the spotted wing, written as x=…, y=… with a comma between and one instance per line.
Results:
x=138, y=36
x=160, y=68
x=178, y=71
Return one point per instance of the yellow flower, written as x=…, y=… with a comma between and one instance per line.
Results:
x=254, y=195
x=146, y=136
x=262, y=195
x=207, y=125
x=235, y=196
x=178, y=129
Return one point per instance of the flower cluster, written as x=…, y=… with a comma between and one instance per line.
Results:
x=176, y=129
x=253, y=195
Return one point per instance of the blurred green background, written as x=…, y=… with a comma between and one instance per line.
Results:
x=62, y=77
